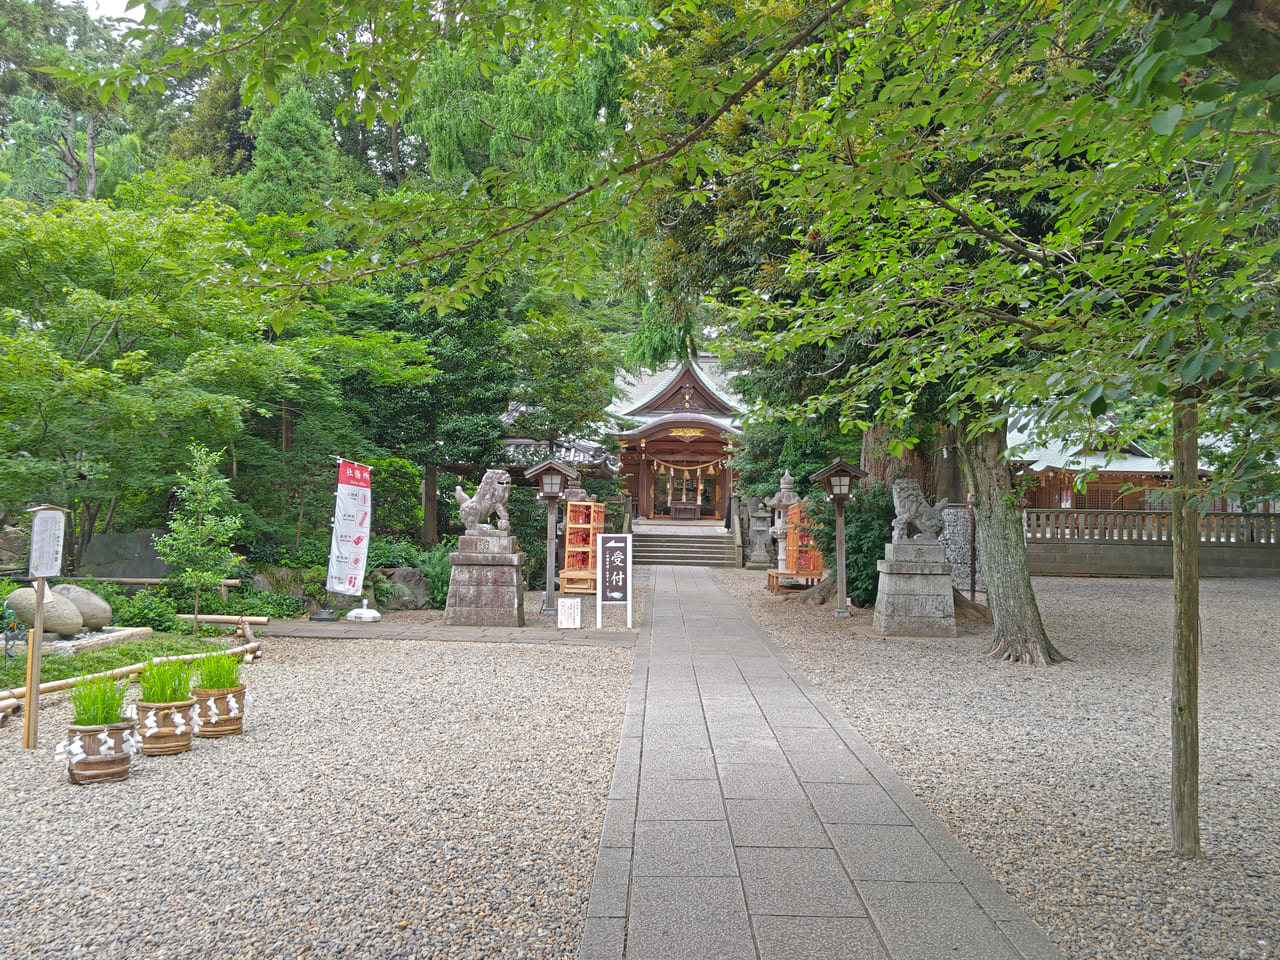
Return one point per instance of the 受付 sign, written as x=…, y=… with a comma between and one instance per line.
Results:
x=613, y=572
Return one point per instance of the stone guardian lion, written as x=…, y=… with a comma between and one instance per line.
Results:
x=912, y=509
x=491, y=497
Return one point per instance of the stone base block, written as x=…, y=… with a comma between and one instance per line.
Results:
x=485, y=590
x=914, y=597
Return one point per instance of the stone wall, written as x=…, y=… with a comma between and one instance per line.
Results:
x=958, y=539
x=1100, y=558
x=122, y=555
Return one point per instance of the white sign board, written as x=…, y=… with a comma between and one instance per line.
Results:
x=349, y=546
x=48, y=528
x=569, y=611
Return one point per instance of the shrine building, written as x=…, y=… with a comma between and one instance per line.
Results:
x=677, y=439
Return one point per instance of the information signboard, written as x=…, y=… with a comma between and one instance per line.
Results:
x=613, y=573
x=48, y=527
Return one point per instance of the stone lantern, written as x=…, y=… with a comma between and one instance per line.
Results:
x=779, y=504
x=838, y=479
x=553, y=479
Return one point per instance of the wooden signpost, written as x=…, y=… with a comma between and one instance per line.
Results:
x=48, y=528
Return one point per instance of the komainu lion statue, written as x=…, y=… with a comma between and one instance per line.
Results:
x=491, y=497
x=912, y=509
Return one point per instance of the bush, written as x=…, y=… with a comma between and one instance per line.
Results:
x=434, y=564
x=391, y=552
x=397, y=499
x=868, y=526
x=148, y=608
x=251, y=602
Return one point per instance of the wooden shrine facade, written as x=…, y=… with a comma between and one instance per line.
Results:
x=677, y=462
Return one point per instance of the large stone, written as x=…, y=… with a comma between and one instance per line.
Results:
x=60, y=614
x=94, y=611
x=411, y=589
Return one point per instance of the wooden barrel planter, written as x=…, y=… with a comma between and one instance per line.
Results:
x=165, y=727
x=221, y=712
x=102, y=762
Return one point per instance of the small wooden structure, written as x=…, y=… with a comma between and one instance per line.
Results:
x=807, y=565
x=584, y=520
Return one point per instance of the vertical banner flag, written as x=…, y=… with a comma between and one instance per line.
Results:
x=350, y=544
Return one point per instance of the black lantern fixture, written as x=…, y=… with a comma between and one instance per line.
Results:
x=553, y=479
x=838, y=479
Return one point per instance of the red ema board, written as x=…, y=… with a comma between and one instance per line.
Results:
x=583, y=521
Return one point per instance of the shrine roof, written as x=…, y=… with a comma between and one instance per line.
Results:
x=640, y=392
x=1057, y=455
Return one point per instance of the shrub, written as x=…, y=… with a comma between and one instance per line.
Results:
x=148, y=608
x=434, y=564
x=868, y=527
x=167, y=682
x=219, y=672
x=388, y=552
x=97, y=702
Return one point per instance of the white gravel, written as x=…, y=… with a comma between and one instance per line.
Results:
x=387, y=799
x=1058, y=779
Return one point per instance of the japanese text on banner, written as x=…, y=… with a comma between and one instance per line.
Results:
x=349, y=547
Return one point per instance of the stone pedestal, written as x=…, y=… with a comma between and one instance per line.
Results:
x=914, y=599
x=486, y=587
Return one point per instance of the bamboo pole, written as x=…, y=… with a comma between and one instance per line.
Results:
x=53, y=686
x=225, y=618
x=35, y=640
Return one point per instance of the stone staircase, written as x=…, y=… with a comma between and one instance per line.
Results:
x=705, y=550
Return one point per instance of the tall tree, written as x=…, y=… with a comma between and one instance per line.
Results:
x=54, y=130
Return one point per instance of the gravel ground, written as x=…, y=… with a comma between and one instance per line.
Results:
x=387, y=799
x=1058, y=779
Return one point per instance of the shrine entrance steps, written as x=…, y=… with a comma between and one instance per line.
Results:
x=698, y=543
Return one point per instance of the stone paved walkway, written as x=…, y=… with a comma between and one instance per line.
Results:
x=747, y=820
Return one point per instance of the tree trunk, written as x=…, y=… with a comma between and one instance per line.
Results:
x=1019, y=633
x=397, y=167
x=90, y=160
x=286, y=427
x=195, y=621
x=1185, y=704
x=66, y=148
x=430, y=489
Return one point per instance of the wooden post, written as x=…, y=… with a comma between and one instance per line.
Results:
x=31, y=720
x=1184, y=805
x=842, y=609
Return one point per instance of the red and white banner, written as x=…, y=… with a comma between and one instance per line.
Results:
x=350, y=544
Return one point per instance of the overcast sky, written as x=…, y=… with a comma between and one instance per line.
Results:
x=109, y=8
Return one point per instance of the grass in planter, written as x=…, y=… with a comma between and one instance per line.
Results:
x=168, y=682
x=218, y=673
x=13, y=673
x=98, y=701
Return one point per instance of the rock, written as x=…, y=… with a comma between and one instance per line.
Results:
x=411, y=590
x=94, y=611
x=60, y=614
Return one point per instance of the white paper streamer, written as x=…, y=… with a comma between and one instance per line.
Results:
x=150, y=723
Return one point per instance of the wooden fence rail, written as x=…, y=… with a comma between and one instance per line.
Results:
x=1226, y=529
